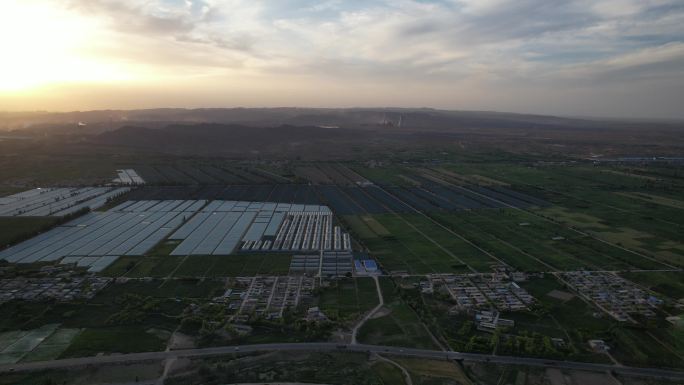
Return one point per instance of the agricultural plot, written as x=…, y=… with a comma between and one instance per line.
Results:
x=222, y=175
x=531, y=243
x=137, y=267
x=386, y=175
x=243, y=265
x=341, y=175
x=57, y=201
x=330, y=174
x=15, y=345
x=411, y=243
x=246, y=193
x=387, y=200
x=396, y=324
x=16, y=229
x=348, y=299
x=42, y=344
x=138, y=315
x=352, y=175
x=300, y=194
x=312, y=174
x=613, y=205
x=197, y=174
x=655, y=199
x=339, y=201
x=202, y=174
x=638, y=348
x=150, y=174
x=656, y=240
x=412, y=200
x=132, y=228
x=569, y=317
x=368, y=204
x=173, y=176
x=458, y=197
x=426, y=189
x=116, y=339
x=271, y=174
x=53, y=346
x=667, y=283
x=248, y=176
x=572, y=319
x=361, y=200
x=425, y=372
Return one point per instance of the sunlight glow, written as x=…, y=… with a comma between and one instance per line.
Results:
x=41, y=46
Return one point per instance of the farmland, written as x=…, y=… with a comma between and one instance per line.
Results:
x=184, y=273
x=348, y=299
x=15, y=229
x=197, y=173
x=397, y=324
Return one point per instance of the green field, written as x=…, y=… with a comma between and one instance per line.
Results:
x=121, y=339
x=200, y=266
x=426, y=372
x=348, y=299
x=398, y=325
x=581, y=322
x=668, y=283
x=131, y=316
x=17, y=229
x=638, y=209
x=16, y=345
x=532, y=247
x=234, y=265
x=53, y=346
x=388, y=373
x=417, y=245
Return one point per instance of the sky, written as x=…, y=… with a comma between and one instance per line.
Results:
x=613, y=58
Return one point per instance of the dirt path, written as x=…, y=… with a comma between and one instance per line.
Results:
x=168, y=364
x=381, y=303
x=407, y=376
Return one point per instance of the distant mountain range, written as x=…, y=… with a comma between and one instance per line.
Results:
x=227, y=138
x=424, y=118
x=325, y=132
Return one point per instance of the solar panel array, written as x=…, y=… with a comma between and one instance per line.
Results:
x=94, y=264
x=97, y=239
x=128, y=176
x=132, y=228
x=223, y=226
x=336, y=264
x=57, y=201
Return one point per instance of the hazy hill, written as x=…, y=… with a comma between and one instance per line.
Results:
x=99, y=121
x=228, y=138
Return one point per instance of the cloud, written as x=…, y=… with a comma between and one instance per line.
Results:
x=509, y=45
x=133, y=18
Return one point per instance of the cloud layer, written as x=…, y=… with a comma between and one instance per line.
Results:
x=573, y=57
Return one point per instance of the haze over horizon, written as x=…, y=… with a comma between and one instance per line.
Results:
x=612, y=58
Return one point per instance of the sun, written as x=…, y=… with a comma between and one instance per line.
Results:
x=43, y=44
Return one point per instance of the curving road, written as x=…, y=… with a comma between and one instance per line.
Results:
x=331, y=347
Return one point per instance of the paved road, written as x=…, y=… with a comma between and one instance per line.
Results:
x=329, y=347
